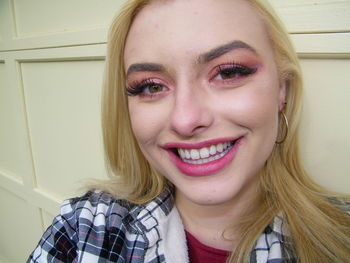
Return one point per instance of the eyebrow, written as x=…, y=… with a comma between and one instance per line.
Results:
x=203, y=58
x=144, y=67
x=221, y=50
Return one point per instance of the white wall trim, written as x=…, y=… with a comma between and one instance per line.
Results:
x=331, y=44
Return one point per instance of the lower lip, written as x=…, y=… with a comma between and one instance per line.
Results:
x=208, y=168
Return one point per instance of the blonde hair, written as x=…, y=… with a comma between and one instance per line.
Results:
x=320, y=231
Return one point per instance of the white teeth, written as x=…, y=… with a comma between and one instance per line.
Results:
x=219, y=147
x=212, y=150
x=206, y=160
x=194, y=154
x=182, y=153
x=205, y=154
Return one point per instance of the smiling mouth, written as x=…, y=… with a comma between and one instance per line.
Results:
x=204, y=154
x=203, y=158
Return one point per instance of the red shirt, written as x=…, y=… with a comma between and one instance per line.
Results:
x=200, y=253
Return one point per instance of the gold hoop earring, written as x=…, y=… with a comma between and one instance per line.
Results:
x=286, y=129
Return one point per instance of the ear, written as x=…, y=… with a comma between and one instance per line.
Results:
x=282, y=95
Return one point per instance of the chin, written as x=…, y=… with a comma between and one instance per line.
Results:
x=224, y=191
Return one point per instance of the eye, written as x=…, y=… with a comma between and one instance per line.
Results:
x=146, y=88
x=232, y=71
x=153, y=88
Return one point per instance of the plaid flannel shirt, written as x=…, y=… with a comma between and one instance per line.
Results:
x=100, y=228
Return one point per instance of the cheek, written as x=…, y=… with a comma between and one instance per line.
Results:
x=254, y=106
x=146, y=121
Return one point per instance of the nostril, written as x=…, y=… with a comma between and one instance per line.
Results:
x=188, y=127
x=190, y=114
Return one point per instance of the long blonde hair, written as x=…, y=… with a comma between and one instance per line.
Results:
x=320, y=231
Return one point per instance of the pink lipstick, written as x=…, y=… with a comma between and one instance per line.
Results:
x=204, y=158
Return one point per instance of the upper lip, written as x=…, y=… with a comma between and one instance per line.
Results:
x=198, y=145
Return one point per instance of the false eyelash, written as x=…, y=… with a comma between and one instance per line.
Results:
x=138, y=87
x=238, y=68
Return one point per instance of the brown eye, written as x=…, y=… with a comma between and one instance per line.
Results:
x=146, y=88
x=228, y=73
x=154, y=88
x=233, y=71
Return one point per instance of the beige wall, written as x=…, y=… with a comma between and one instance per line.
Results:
x=51, y=64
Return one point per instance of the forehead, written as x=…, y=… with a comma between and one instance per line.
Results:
x=183, y=28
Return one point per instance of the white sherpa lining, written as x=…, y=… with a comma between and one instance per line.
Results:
x=174, y=239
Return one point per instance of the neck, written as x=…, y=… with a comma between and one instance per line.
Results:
x=216, y=225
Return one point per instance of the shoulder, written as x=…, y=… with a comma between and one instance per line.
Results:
x=94, y=225
x=96, y=209
x=95, y=199
x=275, y=243
x=95, y=203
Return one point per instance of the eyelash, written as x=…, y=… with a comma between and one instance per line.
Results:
x=138, y=88
x=237, y=70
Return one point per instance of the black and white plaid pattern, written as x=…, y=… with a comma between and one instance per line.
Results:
x=100, y=228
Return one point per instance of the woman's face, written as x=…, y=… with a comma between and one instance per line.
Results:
x=204, y=95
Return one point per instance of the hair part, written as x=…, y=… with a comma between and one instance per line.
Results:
x=284, y=185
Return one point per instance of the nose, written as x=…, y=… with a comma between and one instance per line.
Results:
x=191, y=113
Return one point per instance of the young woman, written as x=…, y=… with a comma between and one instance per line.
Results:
x=201, y=108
